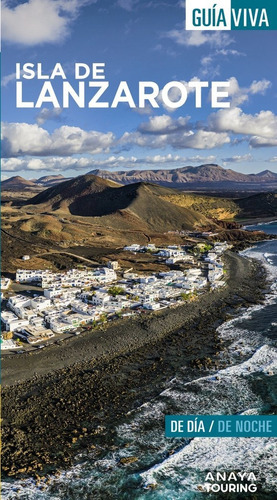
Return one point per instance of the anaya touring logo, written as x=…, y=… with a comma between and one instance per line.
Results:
x=231, y=15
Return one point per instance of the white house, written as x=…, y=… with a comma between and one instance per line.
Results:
x=75, y=319
x=153, y=306
x=40, y=303
x=5, y=283
x=105, y=275
x=37, y=321
x=59, y=326
x=37, y=331
x=7, y=317
x=17, y=303
x=50, y=293
x=12, y=322
x=132, y=248
x=100, y=298
x=28, y=275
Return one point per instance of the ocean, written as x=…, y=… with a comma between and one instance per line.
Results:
x=175, y=469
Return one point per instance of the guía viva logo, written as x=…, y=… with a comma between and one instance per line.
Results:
x=231, y=15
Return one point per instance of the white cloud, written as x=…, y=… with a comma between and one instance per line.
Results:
x=7, y=79
x=156, y=160
x=164, y=124
x=20, y=139
x=208, y=65
x=50, y=164
x=262, y=142
x=46, y=114
x=237, y=94
x=202, y=159
x=229, y=52
x=261, y=126
x=259, y=87
x=259, y=130
x=146, y=110
x=39, y=21
x=240, y=95
x=200, y=139
x=130, y=139
x=12, y=164
x=238, y=158
x=127, y=4
x=58, y=164
x=217, y=39
x=273, y=159
x=162, y=131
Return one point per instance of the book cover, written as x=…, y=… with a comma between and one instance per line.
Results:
x=139, y=254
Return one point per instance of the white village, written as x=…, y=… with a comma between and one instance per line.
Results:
x=85, y=298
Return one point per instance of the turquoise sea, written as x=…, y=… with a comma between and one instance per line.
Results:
x=168, y=469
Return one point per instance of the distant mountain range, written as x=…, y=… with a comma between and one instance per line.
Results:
x=204, y=176
x=18, y=183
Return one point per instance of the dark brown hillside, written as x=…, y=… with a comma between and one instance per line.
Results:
x=150, y=205
x=91, y=212
x=259, y=205
x=63, y=195
x=143, y=205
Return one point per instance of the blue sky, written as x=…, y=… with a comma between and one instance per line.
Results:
x=137, y=40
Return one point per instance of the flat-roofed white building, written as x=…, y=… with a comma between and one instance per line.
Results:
x=28, y=275
x=17, y=303
x=11, y=321
x=5, y=283
x=50, y=293
x=40, y=303
x=152, y=306
x=132, y=248
x=100, y=298
x=59, y=326
x=36, y=331
x=7, y=317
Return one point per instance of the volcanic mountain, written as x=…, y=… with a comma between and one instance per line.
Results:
x=144, y=205
x=17, y=183
x=209, y=176
x=259, y=205
x=75, y=195
x=93, y=212
x=50, y=180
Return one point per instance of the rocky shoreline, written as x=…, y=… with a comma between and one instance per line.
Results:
x=66, y=398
